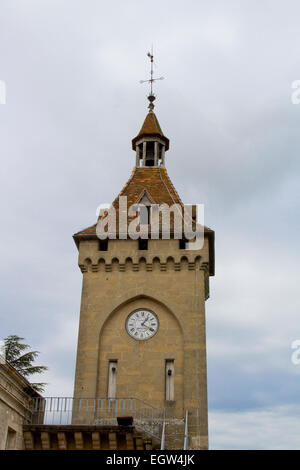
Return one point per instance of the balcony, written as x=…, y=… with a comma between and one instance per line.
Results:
x=92, y=423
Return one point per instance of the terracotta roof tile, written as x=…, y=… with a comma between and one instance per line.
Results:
x=149, y=128
x=155, y=182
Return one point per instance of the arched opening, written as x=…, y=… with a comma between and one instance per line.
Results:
x=142, y=364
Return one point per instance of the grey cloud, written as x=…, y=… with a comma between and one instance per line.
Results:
x=74, y=104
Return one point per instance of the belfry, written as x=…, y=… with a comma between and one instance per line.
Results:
x=140, y=380
x=142, y=320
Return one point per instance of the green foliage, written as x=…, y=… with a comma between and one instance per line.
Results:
x=22, y=361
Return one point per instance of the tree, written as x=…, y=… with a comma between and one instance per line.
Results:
x=14, y=354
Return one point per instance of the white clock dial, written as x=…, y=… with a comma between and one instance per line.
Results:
x=142, y=324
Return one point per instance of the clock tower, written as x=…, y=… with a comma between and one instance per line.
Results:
x=142, y=319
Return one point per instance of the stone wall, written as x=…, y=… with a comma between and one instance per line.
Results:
x=171, y=282
x=15, y=395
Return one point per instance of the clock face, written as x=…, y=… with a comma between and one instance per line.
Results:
x=142, y=324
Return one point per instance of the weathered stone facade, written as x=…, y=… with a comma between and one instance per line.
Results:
x=86, y=438
x=164, y=278
x=164, y=374
x=15, y=396
x=174, y=284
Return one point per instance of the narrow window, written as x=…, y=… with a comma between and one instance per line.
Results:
x=11, y=439
x=150, y=154
x=170, y=380
x=103, y=245
x=112, y=379
x=143, y=244
x=145, y=214
x=182, y=244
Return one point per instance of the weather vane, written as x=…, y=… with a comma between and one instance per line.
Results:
x=151, y=96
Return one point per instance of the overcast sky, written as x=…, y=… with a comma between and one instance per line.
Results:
x=73, y=104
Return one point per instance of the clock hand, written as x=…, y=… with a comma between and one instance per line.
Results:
x=143, y=323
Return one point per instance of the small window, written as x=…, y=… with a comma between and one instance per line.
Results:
x=170, y=379
x=150, y=154
x=112, y=379
x=143, y=244
x=149, y=162
x=145, y=214
x=11, y=439
x=182, y=244
x=103, y=245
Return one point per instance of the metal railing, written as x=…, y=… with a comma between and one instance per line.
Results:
x=186, y=432
x=95, y=412
x=163, y=434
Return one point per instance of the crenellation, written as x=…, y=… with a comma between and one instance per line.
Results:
x=142, y=319
x=145, y=263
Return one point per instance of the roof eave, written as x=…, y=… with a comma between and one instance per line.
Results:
x=210, y=234
x=140, y=136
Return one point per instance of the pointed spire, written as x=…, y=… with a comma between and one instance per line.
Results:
x=150, y=128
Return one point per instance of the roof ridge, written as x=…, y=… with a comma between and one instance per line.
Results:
x=172, y=185
x=126, y=184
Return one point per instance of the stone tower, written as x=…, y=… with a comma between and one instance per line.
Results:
x=142, y=318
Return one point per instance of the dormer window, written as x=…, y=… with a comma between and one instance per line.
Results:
x=145, y=209
x=145, y=215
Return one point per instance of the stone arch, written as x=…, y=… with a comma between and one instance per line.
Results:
x=141, y=364
x=129, y=298
x=101, y=264
x=156, y=264
x=88, y=263
x=197, y=261
x=184, y=262
x=170, y=263
x=128, y=264
x=142, y=264
x=115, y=264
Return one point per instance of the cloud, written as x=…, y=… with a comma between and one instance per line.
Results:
x=268, y=429
x=73, y=105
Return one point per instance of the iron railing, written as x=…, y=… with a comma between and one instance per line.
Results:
x=95, y=411
x=186, y=431
x=163, y=433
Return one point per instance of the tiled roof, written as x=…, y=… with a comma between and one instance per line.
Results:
x=155, y=182
x=151, y=127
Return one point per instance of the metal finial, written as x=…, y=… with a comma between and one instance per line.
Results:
x=151, y=96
